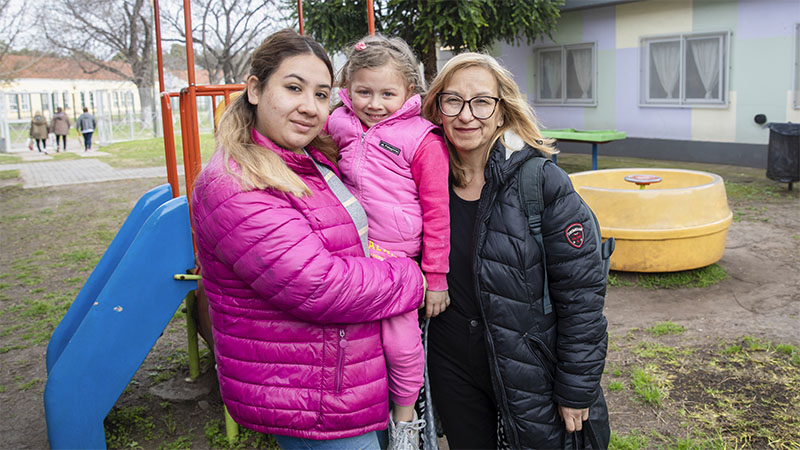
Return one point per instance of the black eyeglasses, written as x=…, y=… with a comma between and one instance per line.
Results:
x=481, y=107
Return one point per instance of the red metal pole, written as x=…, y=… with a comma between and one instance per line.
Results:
x=166, y=111
x=300, y=15
x=371, y=18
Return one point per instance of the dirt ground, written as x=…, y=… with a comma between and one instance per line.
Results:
x=38, y=227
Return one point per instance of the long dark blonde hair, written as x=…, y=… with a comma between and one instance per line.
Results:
x=260, y=169
x=518, y=116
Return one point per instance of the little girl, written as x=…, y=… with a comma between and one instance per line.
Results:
x=397, y=167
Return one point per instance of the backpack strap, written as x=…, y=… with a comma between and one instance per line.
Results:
x=530, y=197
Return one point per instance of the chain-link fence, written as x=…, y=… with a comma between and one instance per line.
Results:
x=116, y=121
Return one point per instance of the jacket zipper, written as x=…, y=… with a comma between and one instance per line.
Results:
x=340, y=359
x=482, y=216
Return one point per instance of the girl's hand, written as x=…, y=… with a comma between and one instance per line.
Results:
x=436, y=302
x=573, y=418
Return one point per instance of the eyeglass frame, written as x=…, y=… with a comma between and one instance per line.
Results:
x=464, y=102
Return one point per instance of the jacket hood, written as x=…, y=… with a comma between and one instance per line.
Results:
x=410, y=108
x=39, y=120
x=505, y=160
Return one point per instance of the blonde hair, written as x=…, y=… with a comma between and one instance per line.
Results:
x=517, y=115
x=371, y=52
x=260, y=168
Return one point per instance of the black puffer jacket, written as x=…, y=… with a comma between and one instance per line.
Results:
x=540, y=361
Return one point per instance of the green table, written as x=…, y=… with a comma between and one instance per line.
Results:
x=593, y=136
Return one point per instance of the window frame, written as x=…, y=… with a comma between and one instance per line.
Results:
x=645, y=75
x=564, y=100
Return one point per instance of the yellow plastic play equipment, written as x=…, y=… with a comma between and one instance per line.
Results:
x=677, y=223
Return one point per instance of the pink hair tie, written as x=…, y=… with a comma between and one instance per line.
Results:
x=361, y=46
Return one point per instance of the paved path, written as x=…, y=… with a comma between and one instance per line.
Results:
x=88, y=169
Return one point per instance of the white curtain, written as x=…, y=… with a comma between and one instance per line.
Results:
x=582, y=60
x=706, y=58
x=666, y=57
x=551, y=62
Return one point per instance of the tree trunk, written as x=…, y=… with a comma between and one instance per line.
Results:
x=429, y=60
x=146, y=111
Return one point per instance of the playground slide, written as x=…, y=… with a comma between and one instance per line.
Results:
x=116, y=319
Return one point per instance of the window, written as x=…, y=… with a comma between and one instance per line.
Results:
x=13, y=102
x=797, y=66
x=45, y=102
x=25, y=102
x=65, y=99
x=565, y=74
x=686, y=70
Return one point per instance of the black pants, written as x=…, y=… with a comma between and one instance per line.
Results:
x=41, y=144
x=59, y=137
x=461, y=385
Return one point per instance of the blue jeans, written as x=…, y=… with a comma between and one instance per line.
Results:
x=87, y=140
x=367, y=441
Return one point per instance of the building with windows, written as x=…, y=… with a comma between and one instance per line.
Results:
x=684, y=79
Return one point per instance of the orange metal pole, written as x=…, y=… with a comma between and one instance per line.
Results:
x=186, y=131
x=166, y=111
x=191, y=107
x=169, y=144
x=300, y=15
x=371, y=18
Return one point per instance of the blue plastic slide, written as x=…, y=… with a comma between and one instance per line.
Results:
x=116, y=319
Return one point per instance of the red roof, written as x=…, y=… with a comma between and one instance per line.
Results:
x=27, y=66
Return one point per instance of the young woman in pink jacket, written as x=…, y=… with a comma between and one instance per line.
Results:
x=395, y=163
x=294, y=304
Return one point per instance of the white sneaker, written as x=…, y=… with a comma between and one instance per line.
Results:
x=405, y=435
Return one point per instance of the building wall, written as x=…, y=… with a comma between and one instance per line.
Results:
x=73, y=88
x=761, y=60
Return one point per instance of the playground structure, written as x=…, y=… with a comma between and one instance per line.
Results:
x=663, y=220
x=139, y=283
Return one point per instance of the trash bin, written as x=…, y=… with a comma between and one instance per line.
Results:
x=783, y=156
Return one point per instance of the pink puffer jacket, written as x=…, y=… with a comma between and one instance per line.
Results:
x=295, y=305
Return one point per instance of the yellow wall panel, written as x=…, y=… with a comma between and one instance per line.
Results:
x=714, y=124
x=652, y=17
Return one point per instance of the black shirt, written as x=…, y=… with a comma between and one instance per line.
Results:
x=461, y=278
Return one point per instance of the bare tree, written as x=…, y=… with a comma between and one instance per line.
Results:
x=228, y=31
x=98, y=32
x=13, y=22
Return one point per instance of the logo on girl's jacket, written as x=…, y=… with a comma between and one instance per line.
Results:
x=574, y=235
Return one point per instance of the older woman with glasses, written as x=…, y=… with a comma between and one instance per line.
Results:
x=506, y=370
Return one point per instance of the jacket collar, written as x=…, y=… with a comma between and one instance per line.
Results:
x=298, y=163
x=411, y=108
x=504, y=163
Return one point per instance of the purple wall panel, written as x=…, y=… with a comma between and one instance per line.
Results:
x=599, y=25
x=766, y=18
x=560, y=117
x=515, y=59
x=636, y=121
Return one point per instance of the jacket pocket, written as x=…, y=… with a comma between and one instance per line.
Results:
x=544, y=357
x=405, y=223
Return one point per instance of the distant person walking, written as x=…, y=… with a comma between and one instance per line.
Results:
x=86, y=123
x=60, y=127
x=39, y=131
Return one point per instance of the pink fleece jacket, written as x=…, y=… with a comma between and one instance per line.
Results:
x=295, y=307
x=398, y=171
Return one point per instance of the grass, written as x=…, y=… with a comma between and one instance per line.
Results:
x=150, y=152
x=742, y=393
x=695, y=278
x=121, y=423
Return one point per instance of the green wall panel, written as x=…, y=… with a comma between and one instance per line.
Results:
x=714, y=15
x=762, y=75
x=604, y=115
x=570, y=29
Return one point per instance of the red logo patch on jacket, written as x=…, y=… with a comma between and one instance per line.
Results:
x=574, y=235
